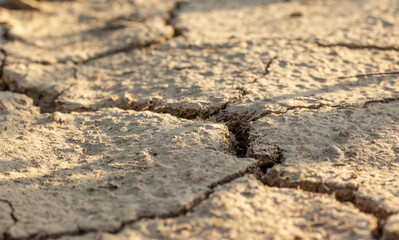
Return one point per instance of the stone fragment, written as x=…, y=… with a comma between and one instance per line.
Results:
x=353, y=23
x=245, y=209
x=77, y=31
x=58, y=117
x=367, y=171
x=99, y=170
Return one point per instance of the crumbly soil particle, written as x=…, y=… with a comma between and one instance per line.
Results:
x=352, y=152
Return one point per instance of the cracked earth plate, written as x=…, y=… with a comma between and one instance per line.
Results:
x=352, y=152
x=352, y=23
x=246, y=209
x=96, y=171
x=77, y=31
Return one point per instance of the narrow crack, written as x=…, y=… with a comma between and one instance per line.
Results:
x=329, y=45
x=13, y=217
x=232, y=44
x=12, y=214
x=136, y=45
x=356, y=46
x=283, y=111
x=320, y=105
x=267, y=69
x=148, y=45
x=384, y=100
x=365, y=75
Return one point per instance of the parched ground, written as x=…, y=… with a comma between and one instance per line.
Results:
x=201, y=119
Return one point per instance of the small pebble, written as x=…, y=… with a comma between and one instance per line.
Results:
x=335, y=151
x=58, y=117
x=127, y=98
x=113, y=98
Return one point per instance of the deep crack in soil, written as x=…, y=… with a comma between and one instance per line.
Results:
x=3, y=86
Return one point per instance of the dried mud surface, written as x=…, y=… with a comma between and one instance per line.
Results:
x=260, y=119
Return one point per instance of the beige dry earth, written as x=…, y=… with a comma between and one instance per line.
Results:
x=202, y=119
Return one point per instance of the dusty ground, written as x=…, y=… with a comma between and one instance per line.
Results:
x=202, y=119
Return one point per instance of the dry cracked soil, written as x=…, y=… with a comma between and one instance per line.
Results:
x=199, y=119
